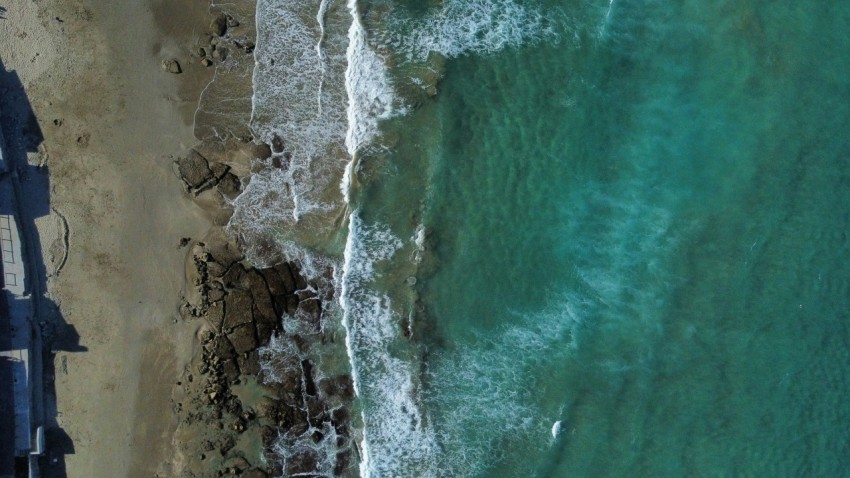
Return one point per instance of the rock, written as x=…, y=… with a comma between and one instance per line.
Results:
x=249, y=47
x=340, y=386
x=300, y=282
x=233, y=276
x=224, y=349
x=301, y=464
x=194, y=170
x=226, y=444
x=219, y=54
x=311, y=313
x=171, y=66
x=223, y=251
x=267, y=408
x=264, y=310
x=268, y=435
x=291, y=304
x=214, y=269
x=232, y=22
x=277, y=144
x=316, y=410
x=274, y=282
x=230, y=369
x=265, y=331
x=238, y=309
x=206, y=62
x=218, y=26
x=219, y=170
x=202, y=52
x=230, y=186
x=309, y=385
x=216, y=293
x=340, y=418
x=249, y=365
x=278, y=290
x=262, y=151
x=215, y=313
x=343, y=461
x=253, y=281
x=244, y=339
x=286, y=275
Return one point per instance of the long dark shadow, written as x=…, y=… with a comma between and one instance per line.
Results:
x=26, y=199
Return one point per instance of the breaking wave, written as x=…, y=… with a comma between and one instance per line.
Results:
x=460, y=27
x=321, y=91
x=396, y=438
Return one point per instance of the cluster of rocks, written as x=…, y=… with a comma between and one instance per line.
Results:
x=252, y=383
x=243, y=305
x=199, y=175
x=222, y=39
x=239, y=310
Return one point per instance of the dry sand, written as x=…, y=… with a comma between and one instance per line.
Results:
x=111, y=121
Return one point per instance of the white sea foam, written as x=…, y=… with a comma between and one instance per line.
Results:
x=322, y=451
x=396, y=438
x=299, y=97
x=478, y=387
x=279, y=357
x=606, y=19
x=321, y=87
x=486, y=390
x=556, y=429
x=370, y=94
x=458, y=27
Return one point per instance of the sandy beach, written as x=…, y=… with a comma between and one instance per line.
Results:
x=112, y=121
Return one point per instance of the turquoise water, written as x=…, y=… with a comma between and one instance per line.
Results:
x=635, y=256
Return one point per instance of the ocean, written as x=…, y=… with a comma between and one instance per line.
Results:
x=575, y=238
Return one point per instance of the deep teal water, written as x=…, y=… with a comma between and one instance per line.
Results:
x=638, y=230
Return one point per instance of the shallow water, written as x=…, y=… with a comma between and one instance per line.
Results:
x=617, y=235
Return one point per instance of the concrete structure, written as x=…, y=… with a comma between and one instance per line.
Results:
x=21, y=434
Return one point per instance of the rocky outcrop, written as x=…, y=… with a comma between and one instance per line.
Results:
x=198, y=175
x=240, y=308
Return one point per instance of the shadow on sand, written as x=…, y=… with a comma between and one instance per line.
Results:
x=53, y=337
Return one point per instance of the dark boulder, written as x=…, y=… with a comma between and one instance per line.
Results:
x=340, y=386
x=194, y=170
x=224, y=349
x=216, y=293
x=218, y=26
x=238, y=309
x=171, y=66
x=233, y=277
x=219, y=170
x=229, y=185
x=215, y=312
x=311, y=313
x=250, y=364
x=287, y=276
x=277, y=144
x=230, y=369
x=309, y=384
x=244, y=339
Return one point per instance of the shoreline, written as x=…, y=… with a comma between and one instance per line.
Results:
x=146, y=380
x=107, y=118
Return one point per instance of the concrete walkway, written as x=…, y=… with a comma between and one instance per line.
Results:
x=20, y=370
